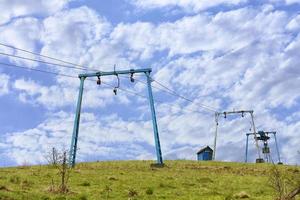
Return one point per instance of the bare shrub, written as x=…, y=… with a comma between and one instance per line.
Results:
x=52, y=157
x=277, y=181
x=107, y=190
x=60, y=162
x=286, y=183
x=64, y=171
x=132, y=194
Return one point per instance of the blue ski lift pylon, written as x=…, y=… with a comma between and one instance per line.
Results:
x=82, y=77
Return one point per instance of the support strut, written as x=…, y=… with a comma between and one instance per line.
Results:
x=73, y=149
x=154, y=122
x=246, y=156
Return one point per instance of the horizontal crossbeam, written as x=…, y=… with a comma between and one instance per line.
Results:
x=266, y=132
x=234, y=112
x=100, y=73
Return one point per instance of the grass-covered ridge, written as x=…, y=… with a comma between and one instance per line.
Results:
x=137, y=180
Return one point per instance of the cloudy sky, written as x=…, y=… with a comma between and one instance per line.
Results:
x=226, y=54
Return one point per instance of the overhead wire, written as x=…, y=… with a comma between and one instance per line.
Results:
x=37, y=70
x=45, y=62
x=81, y=67
x=41, y=55
x=172, y=92
x=71, y=76
x=182, y=97
x=203, y=105
x=64, y=75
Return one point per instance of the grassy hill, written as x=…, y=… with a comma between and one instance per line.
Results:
x=137, y=180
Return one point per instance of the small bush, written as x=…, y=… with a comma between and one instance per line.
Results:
x=107, y=190
x=111, y=178
x=132, y=193
x=149, y=191
x=3, y=188
x=85, y=183
x=26, y=184
x=14, y=179
x=285, y=183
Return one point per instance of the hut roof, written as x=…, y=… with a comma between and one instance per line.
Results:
x=203, y=149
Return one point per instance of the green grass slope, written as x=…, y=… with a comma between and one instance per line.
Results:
x=137, y=180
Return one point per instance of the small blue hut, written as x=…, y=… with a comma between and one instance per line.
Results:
x=205, y=153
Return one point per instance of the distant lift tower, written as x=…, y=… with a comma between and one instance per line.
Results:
x=100, y=74
x=264, y=137
x=225, y=114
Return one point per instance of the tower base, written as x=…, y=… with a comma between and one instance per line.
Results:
x=260, y=160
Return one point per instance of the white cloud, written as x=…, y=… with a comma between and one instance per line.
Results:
x=31, y=146
x=61, y=95
x=187, y=5
x=97, y=138
x=181, y=136
x=138, y=35
x=68, y=35
x=294, y=24
x=22, y=33
x=218, y=33
x=76, y=35
x=292, y=1
x=50, y=97
x=13, y=8
x=239, y=63
x=4, y=84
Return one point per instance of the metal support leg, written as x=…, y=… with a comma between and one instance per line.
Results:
x=73, y=148
x=216, y=134
x=255, y=137
x=154, y=122
x=277, y=149
x=246, y=156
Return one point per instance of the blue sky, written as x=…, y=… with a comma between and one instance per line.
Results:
x=227, y=54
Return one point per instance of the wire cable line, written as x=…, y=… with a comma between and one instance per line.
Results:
x=172, y=92
x=49, y=57
x=107, y=85
x=64, y=75
x=80, y=67
x=45, y=62
x=44, y=56
x=37, y=70
x=182, y=97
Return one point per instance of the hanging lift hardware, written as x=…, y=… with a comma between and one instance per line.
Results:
x=131, y=78
x=115, y=90
x=98, y=80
